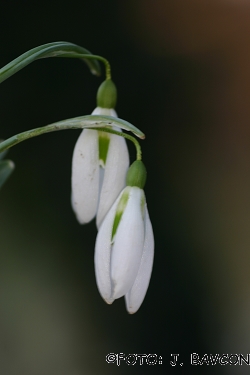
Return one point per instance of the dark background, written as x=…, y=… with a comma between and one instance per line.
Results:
x=182, y=73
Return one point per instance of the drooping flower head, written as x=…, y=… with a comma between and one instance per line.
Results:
x=100, y=163
x=124, y=248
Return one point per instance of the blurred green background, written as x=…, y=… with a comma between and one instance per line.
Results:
x=182, y=73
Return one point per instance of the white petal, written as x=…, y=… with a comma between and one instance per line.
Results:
x=135, y=296
x=128, y=245
x=116, y=168
x=103, y=249
x=85, y=176
x=104, y=111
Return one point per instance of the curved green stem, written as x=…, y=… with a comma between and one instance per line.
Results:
x=104, y=61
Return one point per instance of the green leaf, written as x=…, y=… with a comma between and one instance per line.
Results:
x=112, y=121
x=6, y=168
x=56, y=49
x=96, y=121
x=83, y=122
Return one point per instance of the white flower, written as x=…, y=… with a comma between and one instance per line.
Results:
x=99, y=166
x=124, y=250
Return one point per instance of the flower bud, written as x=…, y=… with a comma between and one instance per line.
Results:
x=124, y=250
x=107, y=94
x=137, y=174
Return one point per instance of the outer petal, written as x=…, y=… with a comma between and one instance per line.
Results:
x=104, y=112
x=103, y=249
x=135, y=296
x=116, y=168
x=85, y=176
x=128, y=244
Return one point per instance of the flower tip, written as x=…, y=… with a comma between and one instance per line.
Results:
x=132, y=306
x=131, y=309
x=109, y=301
x=131, y=312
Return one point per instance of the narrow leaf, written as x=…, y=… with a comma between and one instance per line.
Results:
x=83, y=122
x=55, y=49
x=96, y=121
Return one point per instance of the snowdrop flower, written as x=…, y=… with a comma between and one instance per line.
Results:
x=100, y=163
x=124, y=248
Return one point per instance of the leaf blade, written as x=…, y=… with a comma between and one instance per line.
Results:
x=54, y=49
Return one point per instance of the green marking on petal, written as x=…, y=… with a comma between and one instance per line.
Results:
x=119, y=211
x=143, y=205
x=104, y=139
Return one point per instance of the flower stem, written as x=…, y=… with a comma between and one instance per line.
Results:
x=104, y=61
